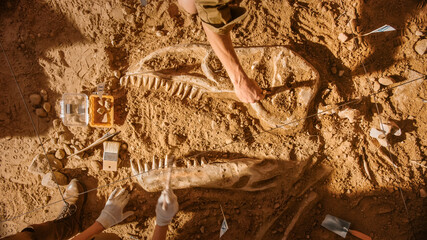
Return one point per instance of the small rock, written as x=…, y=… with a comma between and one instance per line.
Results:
x=342, y=37
x=160, y=33
x=202, y=229
x=334, y=70
x=386, y=81
x=40, y=112
x=421, y=46
x=46, y=107
x=43, y=94
x=377, y=86
x=49, y=180
x=96, y=165
x=350, y=114
x=276, y=206
x=60, y=154
x=35, y=99
x=340, y=73
x=67, y=149
x=117, y=74
x=423, y=193
x=418, y=33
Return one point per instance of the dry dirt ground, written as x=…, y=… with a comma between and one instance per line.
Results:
x=71, y=46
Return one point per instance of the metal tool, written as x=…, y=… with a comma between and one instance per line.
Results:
x=341, y=227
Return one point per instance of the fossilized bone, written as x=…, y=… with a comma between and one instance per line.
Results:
x=192, y=70
x=245, y=174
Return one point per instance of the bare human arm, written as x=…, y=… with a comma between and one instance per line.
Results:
x=160, y=232
x=94, y=229
x=246, y=89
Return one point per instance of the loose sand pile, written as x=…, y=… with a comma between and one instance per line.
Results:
x=57, y=47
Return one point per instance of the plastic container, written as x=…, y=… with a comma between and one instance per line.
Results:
x=101, y=113
x=74, y=109
x=78, y=110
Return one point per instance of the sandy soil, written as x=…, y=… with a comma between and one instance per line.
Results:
x=71, y=46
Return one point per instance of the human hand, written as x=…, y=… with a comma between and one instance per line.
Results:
x=164, y=217
x=247, y=90
x=113, y=210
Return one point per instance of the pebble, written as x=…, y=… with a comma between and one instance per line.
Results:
x=202, y=229
x=49, y=181
x=386, y=81
x=418, y=33
x=117, y=74
x=334, y=70
x=35, y=99
x=160, y=33
x=421, y=46
x=47, y=107
x=423, y=193
x=67, y=149
x=40, y=112
x=340, y=73
x=43, y=94
x=276, y=206
x=60, y=154
x=342, y=37
x=377, y=86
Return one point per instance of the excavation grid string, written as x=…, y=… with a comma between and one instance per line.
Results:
x=233, y=142
x=32, y=121
x=388, y=145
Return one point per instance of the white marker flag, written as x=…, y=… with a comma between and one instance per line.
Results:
x=385, y=28
x=224, y=228
x=224, y=225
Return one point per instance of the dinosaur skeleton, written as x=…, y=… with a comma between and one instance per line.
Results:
x=189, y=71
x=245, y=174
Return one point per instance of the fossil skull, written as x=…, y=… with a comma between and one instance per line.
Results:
x=189, y=71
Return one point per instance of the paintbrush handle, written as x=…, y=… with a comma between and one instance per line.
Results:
x=359, y=235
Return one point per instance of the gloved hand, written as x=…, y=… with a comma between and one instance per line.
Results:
x=113, y=210
x=164, y=217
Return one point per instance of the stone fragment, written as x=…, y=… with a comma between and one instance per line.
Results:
x=160, y=33
x=342, y=37
x=334, y=70
x=421, y=46
x=423, y=193
x=60, y=154
x=202, y=229
x=39, y=165
x=43, y=94
x=47, y=107
x=35, y=99
x=40, y=112
x=377, y=86
x=67, y=149
x=418, y=33
x=117, y=74
x=49, y=180
x=386, y=81
x=340, y=73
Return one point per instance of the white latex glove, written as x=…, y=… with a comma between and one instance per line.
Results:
x=113, y=210
x=164, y=217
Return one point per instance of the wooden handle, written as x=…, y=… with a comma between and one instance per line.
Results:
x=359, y=235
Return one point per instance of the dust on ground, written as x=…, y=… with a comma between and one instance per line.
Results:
x=71, y=46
